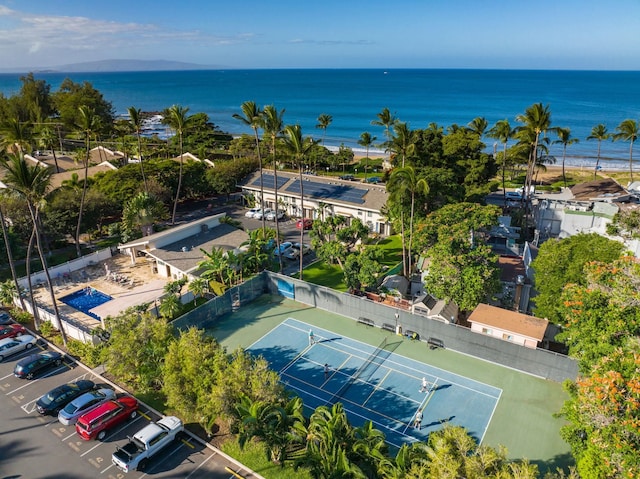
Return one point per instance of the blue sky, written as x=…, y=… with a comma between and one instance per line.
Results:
x=541, y=34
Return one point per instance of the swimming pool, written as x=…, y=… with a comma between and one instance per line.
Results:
x=85, y=300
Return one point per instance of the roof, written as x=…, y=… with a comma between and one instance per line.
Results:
x=518, y=323
x=185, y=254
x=100, y=154
x=58, y=178
x=510, y=268
x=328, y=189
x=397, y=282
x=605, y=189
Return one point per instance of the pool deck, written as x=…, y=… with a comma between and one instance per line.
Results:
x=142, y=285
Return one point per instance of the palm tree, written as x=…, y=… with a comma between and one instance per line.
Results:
x=366, y=140
x=403, y=182
x=169, y=306
x=32, y=183
x=49, y=139
x=478, y=125
x=628, y=131
x=7, y=244
x=179, y=122
x=257, y=254
x=600, y=133
x=213, y=265
x=142, y=211
x=252, y=117
x=15, y=136
x=537, y=120
x=269, y=422
x=403, y=142
x=324, y=120
x=88, y=124
x=198, y=286
x=565, y=139
x=135, y=120
x=272, y=126
x=386, y=120
x=502, y=132
x=299, y=148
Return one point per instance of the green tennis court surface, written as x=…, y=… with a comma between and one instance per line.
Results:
x=374, y=383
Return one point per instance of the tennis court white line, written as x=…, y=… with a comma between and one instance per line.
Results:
x=347, y=377
x=382, y=427
x=495, y=406
x=411, y=368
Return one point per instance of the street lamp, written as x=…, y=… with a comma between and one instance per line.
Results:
x=397, y=317
x=327, y=171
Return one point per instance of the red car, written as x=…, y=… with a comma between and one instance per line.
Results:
x=96, y=423
x=11, y=331
x=305, y=223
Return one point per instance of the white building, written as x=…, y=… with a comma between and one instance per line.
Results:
x=323, y=195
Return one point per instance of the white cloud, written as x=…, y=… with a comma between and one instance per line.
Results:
x=54, y=39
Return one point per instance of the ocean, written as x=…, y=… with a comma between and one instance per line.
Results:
x=577, y=99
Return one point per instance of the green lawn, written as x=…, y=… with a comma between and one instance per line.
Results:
x=331, y=275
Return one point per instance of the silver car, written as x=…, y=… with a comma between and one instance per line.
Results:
x=9, y=346
x=83, y=404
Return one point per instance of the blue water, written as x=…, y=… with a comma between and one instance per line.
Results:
x=577, y=99
x=85, y=300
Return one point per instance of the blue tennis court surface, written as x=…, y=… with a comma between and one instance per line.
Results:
x=375, y=383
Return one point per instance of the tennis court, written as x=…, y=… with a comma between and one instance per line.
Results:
x=375, y=383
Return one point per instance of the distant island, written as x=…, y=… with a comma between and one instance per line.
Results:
x=123, y=66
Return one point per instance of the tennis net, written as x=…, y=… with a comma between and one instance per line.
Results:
x=341, y=392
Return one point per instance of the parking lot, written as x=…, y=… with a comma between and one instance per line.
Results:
x=39, y=447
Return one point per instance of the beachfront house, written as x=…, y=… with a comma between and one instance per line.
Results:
x=511, y=326
x=323, y=196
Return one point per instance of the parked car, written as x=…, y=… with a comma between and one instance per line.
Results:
x=9, y=346
x=146, y=443
x=347, y=177
x=5, y=318
x=31, y=366
x=260, y=214
x=251, y=212
x=53, y=401
x=306, y=223
x=12, y=330
x=294, y=251
x=284, y=246
x=96, y=423
x=83, y=404
x=271, y=216
x=514, y=195
x=373, y=179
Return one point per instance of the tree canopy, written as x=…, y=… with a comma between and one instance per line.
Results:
x=561, y=262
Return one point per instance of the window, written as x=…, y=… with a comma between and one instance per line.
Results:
x=507, y=337
x=369, y=214
x=487, y=331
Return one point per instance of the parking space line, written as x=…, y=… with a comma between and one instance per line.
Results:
x=159, y=463
x=201, y=464
x=34, y=381
x=124, y=426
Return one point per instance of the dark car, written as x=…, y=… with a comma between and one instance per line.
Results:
x=11, y=331
x=5, y=318
x=373, y=179
x=59, y=397
x=31, y=366
x=347, y=177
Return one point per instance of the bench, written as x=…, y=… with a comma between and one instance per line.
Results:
x=412, y=335
x=389, y=327
x=435, y=343
x=366, y=321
